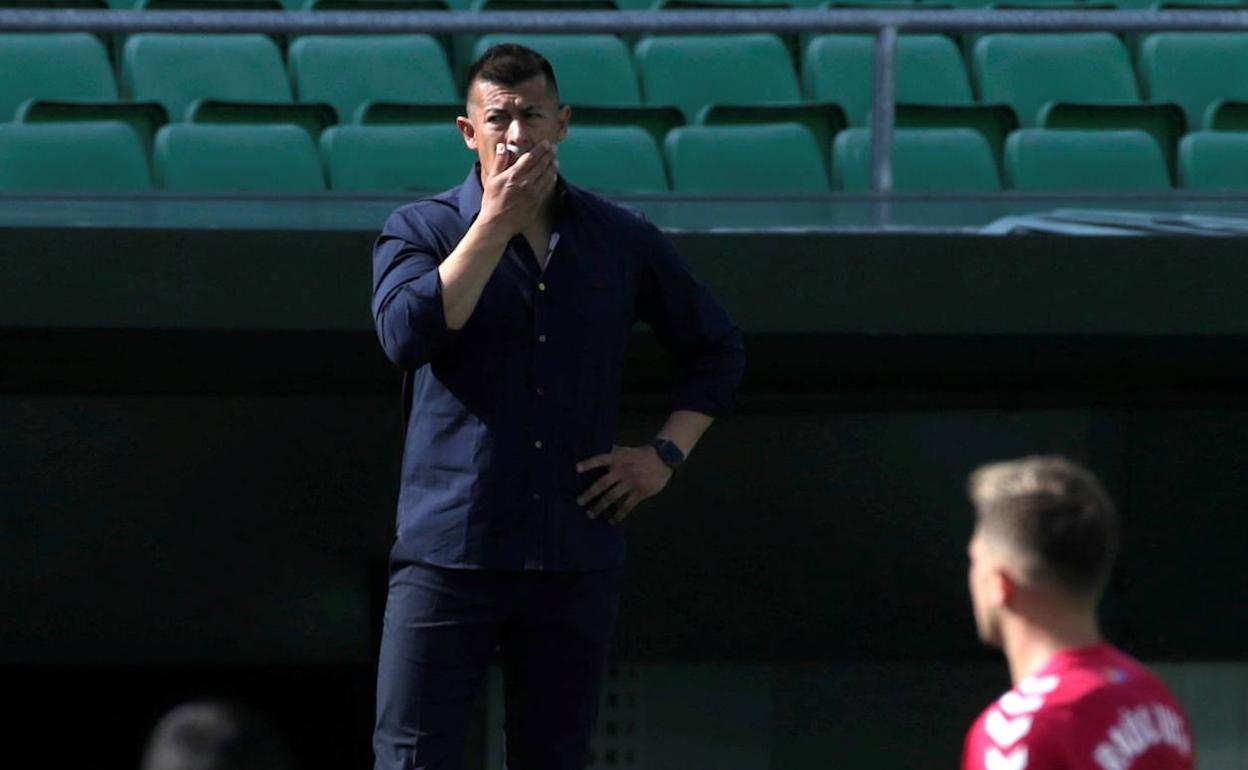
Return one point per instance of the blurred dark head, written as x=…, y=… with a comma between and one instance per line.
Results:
x=214, y=735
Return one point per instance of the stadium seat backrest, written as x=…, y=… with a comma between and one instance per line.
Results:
x=1195, y=69
x=72, y=157
x=395, y=158
x=175, y=70
x=840, y=69
x=763, y=159
x=61, y=66
x=612, y=159
x=590, y=69
x=695, y=71
x=1214, y=161
x=924, y=159
x=237, y=158
x=348, y=71
x=1037, y=159
x=1028, y=71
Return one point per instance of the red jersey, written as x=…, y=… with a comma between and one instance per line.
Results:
x=1090, y=708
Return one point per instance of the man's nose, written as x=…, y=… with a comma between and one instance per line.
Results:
x=516, y=134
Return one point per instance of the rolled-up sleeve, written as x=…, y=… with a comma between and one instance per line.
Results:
x=407, y=294
x=689, y=322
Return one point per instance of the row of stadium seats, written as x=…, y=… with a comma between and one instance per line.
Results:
x=625, y=5
x=1023, y=81
x=1025, y=73
x=756, y=160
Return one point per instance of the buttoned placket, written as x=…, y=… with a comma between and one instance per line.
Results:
x=539, y=524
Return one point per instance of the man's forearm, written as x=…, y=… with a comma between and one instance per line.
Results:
x=684, y=428
x=468, y=268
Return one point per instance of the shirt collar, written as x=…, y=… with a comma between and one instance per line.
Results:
x=470, y=193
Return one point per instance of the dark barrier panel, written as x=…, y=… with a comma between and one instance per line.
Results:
x=199, y=442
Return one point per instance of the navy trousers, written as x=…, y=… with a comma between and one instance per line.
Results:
x=442, y=629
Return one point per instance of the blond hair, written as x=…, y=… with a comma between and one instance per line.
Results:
x=1054, y=515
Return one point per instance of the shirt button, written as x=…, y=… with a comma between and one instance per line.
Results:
x=537, y=444
x=541, y=287
x=541, y=338
x=540, y=390
x=536, y=497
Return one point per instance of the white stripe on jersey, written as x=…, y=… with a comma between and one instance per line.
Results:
x=1005, y=732
x=1014, y=704
x=1038, y=685
x=1015, y=760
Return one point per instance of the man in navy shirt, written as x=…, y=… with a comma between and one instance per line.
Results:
x=508, y=302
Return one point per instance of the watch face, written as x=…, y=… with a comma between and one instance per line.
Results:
x=669, y=453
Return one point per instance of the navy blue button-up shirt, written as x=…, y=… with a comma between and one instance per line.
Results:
x=499, y=412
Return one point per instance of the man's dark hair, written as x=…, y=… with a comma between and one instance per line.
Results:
x=1054, y=515
x=509, y=65
x=214, y=735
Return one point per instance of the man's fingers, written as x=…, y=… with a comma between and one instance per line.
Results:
x=608, y=499
x=597, y=488
x=531, y=166
x=500, y=158
x=597, y=461
x=626, y=507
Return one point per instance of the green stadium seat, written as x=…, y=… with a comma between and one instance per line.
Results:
x=1214, y=161
x=883, y=4
x=377, y=5
x=1195, y=69
x=924, y=160
x=1227, y=115
x=1197, y=5
x=545, y=5
x=933, y=90
x=720, y=5
x=823, y=121
x=1102, y=161
x=49, y=5
x=1028, y=72
x=395, y=158
x=178, y=70
x=145, y=118
x=607, y=159
x=969, y=39
x=274, y=158
x=1164, y=122
x=840, y=69
x=71, y=66
x=759, y=160
x=591, y=69
x=462, y=45
x=694, y=72
x=350, y=71
x=408, y=114
x=993, y=121
x=72, y=157
x=658, y=121
x=210, y=5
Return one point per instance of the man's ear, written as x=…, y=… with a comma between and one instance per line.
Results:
x=1004, y=588
x=565, y=116
x=468, y=131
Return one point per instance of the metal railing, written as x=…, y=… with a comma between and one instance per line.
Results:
x=884, y=24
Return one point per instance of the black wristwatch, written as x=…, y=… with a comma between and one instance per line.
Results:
x=668, y=452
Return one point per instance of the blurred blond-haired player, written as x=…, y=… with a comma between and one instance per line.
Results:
x=1046, y=534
